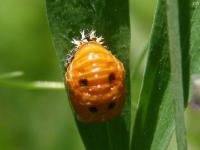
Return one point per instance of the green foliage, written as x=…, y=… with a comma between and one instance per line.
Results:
x=195, y=36
x=155, y=116
x=165, y=86
x=153, y=123
x=166, y=77
x=179, y=62
x=111, y=20
x=31, y=119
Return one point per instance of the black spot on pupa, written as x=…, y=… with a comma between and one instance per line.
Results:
x=93, y=109
x=83, y=82
x=111, y=105
x=111, y=77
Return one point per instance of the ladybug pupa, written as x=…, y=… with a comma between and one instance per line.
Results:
x=95, y=79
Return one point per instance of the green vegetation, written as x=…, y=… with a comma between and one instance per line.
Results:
x=34, y=109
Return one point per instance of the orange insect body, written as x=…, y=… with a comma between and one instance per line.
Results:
x=95, y=79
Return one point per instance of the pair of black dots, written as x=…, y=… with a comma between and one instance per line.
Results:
x=84, y=82
x=94, y=109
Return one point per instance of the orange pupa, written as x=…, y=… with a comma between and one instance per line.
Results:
x=95, y=79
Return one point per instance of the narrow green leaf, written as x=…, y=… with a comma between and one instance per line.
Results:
x=176, y=71
x=195, y=38
x=34, y=85
x=111, y=20
x=195, y=52
x=149, y=131
x=185, y=32
x=136, y=80
x=154, y=123
x=13, y=74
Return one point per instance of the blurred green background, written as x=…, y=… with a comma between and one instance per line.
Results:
x=42, y=119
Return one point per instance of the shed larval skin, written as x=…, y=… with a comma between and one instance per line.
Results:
x=95, y=79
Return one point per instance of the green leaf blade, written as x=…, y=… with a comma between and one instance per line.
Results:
x=111, y=20
x=185, y=36
x=195, y=37
x=154, y=122
x=177, y=55
x=153, y=96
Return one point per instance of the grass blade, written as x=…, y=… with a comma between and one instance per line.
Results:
x=195, y=38
x=111, y=20
x=149, y=131
x=154, y=122
x=13, y=74
x=34, y=85
x=176, y=72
